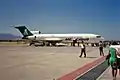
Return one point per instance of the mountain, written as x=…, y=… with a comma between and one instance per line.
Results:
x=7, y=36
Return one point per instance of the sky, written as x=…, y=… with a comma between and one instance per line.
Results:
x=62, y=16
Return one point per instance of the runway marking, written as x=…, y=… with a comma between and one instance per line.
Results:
x=81, y=70
x=91, y=74
x=103, y=73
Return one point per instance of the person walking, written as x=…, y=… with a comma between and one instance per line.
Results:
x=101, y=49
x=112, y=58
x=83, y=49
x=118, y=60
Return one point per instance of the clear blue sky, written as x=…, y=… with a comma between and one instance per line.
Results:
x=62, y=16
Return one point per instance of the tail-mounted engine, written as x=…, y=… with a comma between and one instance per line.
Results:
x=35, y=32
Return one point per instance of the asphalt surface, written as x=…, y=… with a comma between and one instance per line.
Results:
x=107, y=75
x=41, y=63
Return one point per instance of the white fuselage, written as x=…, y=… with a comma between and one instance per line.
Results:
x=47, y=39
x=54, y=37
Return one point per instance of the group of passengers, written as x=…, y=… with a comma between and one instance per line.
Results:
x=113, y=56
x=83, y=49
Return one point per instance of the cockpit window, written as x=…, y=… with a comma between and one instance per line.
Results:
x=98, y=36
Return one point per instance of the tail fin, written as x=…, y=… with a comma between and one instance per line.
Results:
x=25, y=32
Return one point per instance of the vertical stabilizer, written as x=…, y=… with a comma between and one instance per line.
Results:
x=25, y=32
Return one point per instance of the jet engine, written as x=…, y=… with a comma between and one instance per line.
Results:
x=35, y=32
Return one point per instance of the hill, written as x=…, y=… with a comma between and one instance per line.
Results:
x=7, y=36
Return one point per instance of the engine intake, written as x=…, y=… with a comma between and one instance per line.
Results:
x=35, y=32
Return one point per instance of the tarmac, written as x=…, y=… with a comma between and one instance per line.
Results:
x=42, y=63
x=107, y=75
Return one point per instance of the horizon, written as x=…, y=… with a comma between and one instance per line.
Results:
x=64, y=16
x=20, y=36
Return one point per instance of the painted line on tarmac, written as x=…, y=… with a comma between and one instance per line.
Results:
x=95, y=72
x=82, y=70
x=103, y=73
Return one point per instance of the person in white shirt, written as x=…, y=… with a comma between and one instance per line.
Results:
x=117, y=47
x=101, y=48
x=83, y=49
x=118, y=58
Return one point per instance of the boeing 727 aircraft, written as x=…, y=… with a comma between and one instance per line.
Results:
x=56, y=38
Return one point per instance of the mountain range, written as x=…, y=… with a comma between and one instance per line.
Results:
x=8, y=36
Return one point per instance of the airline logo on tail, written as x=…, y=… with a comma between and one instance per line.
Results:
x=25, y=32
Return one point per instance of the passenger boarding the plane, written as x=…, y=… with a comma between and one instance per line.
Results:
x=83, y=49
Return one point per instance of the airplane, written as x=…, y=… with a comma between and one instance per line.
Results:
x=36, y=36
